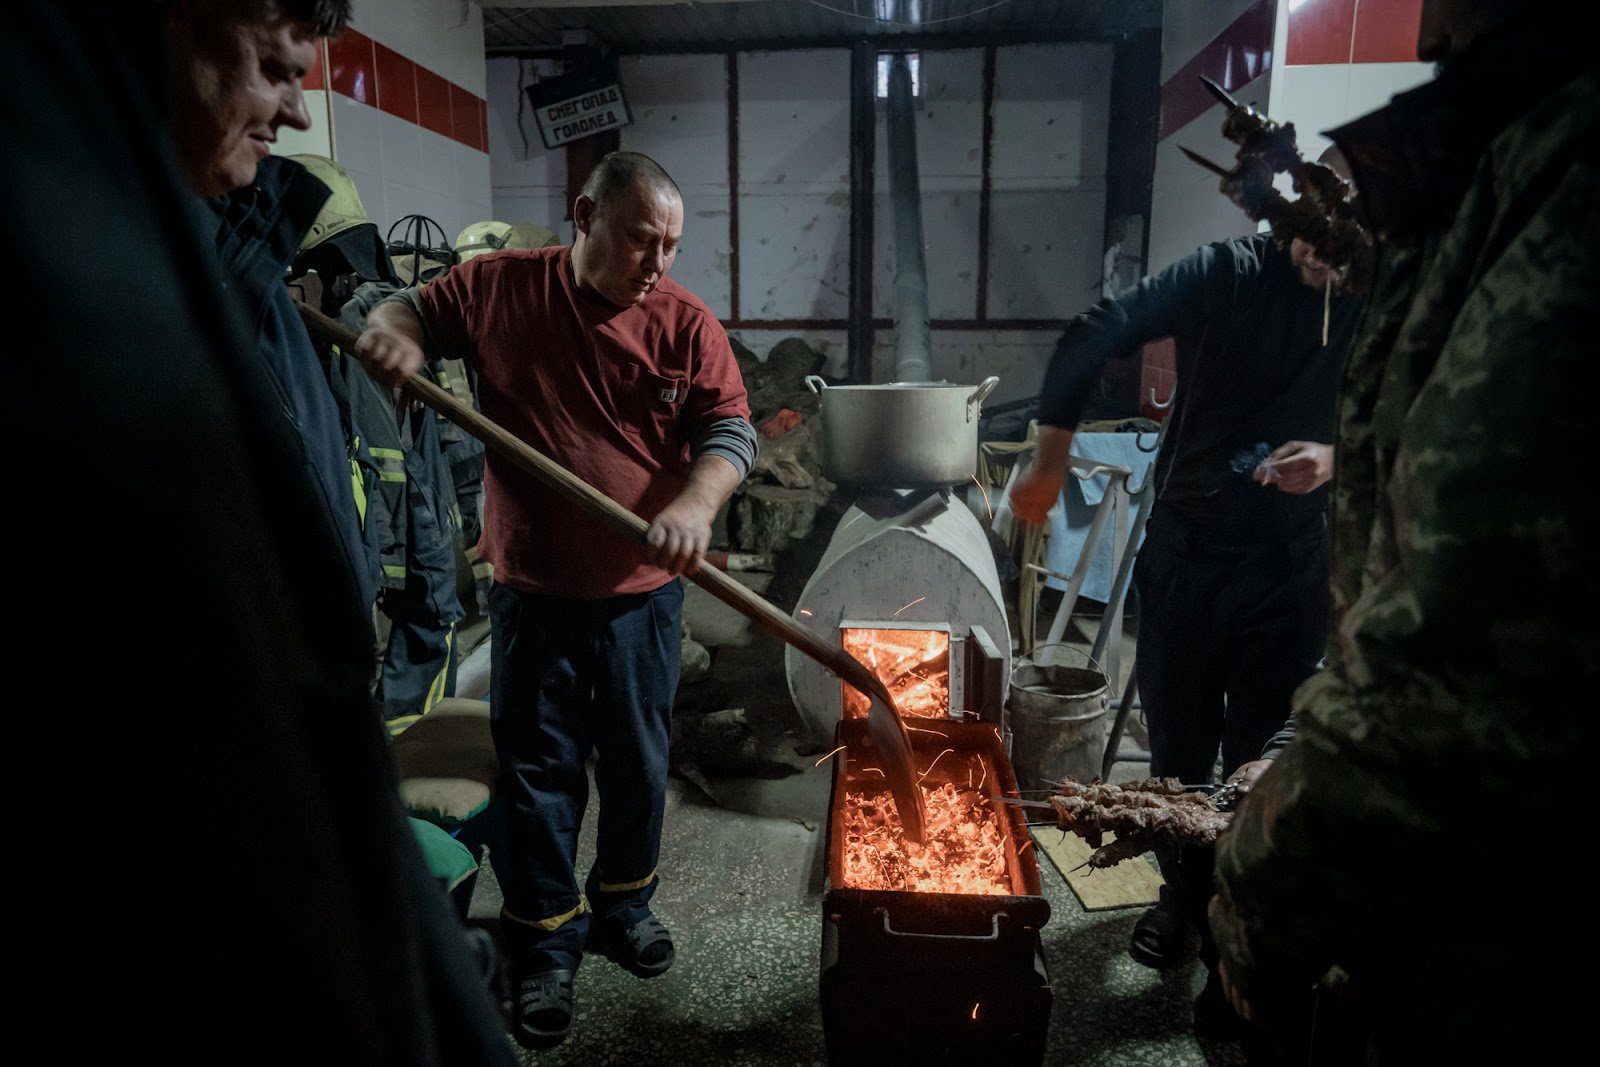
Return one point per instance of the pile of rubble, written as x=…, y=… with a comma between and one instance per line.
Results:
x=778, y=503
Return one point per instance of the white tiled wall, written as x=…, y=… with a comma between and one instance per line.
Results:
x=399, y=167
x=1372, y=85
x=1318, y=98
x=680, y=119
x=1048, y=179
x=1321, y=97
x=446, y=36
x=1186, y=208
x=318, y=140
x=528, y=181
x=1048, y=192
x=1187, y=26
x=794, y=184
x=1017, y=357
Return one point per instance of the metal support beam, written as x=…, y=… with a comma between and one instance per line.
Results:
x=863, y=178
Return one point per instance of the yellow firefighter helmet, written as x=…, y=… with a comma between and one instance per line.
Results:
x=344, y=209
x=492, y=236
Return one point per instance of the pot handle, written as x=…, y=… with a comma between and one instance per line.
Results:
x=816, y=384
x=975, y=401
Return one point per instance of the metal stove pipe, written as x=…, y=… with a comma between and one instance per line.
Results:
x=913, y=343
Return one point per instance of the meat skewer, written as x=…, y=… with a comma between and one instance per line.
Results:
x=1323, y=212
x=1143, y=814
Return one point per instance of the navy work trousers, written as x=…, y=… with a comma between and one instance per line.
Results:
x=1227, y=633
x=567, y=678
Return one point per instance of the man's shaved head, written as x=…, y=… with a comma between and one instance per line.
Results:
x=619, y=172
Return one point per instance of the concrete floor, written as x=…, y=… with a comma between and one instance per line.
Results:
x=742, y=891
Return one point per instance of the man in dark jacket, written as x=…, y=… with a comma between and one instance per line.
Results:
x=1441, y=757
x=1232, y=577
x=232, y=878
x=259, y=230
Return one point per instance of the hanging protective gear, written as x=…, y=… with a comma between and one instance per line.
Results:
x=492, y=236
x=529, y=235
x=421, y=252
x=343, y=239
x=343, y=210
x=481, y=237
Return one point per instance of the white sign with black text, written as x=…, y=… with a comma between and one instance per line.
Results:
x=594, y=111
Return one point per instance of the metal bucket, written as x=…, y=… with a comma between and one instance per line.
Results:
x=1056, y=714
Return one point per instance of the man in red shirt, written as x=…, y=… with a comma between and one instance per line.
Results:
x=593, y=357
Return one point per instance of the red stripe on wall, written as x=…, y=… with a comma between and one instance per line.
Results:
x=1319, y=32
x=433, y=102
x=351, y=67
x=397, y=84
x=1386, y=31
x=1352, y=31
x=463, y=116
x=1239, y=54
x=370, y=73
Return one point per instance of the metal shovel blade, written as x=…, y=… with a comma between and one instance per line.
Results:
x=888, y=735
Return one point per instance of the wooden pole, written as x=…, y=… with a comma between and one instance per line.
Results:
x=884, y=726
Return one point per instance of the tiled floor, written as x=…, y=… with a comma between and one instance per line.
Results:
x=741, y=890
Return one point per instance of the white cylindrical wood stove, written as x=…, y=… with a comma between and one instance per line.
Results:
x=909, y=586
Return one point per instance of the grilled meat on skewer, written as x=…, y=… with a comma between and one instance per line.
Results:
x=1142, y=814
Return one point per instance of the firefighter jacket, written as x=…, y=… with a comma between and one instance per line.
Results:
x=259, y=229
x=418, y=519
x=463, y=453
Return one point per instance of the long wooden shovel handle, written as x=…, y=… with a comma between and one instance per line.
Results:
x=884, y=724
x=581, y=493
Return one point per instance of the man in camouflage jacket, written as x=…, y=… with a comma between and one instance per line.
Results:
x=1400, y=838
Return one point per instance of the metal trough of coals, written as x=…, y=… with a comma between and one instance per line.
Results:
x=933, y=977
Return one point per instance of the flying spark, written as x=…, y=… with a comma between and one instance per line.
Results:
x=987, y=507
x=913, y=604
x=934, y=764
x=829, y=756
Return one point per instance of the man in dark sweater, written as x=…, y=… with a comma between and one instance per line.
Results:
x=1233, y=575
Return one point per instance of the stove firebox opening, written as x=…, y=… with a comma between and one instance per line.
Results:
x=913, y=663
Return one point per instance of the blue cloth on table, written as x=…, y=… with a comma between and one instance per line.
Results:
x=1071, y=517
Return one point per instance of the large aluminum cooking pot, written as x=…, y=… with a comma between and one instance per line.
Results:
x=904, y=435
